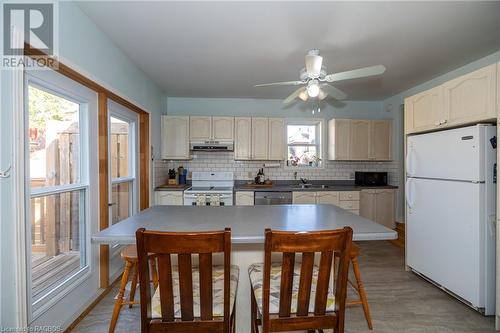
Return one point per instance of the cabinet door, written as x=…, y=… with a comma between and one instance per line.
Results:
x=327, y=197
x=223, y=128
x=245, y=198
x=243, y=138
x=199, y=128
x=498, y=88
x=169, y=198
x=175, y=137
x=384, y=211
x=260, y=138
x=339, y=138
x=360, y=139
x=367, y=204
x=380, y=140
x=276, y=139
x=471, y=97
x=304, y=197
x=424, y=111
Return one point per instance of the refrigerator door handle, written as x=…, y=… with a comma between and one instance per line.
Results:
x=409, y=171
x=409, y=199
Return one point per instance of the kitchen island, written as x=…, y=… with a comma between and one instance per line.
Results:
x=247, y=225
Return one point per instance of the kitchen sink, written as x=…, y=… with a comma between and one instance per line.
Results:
x=306, y=186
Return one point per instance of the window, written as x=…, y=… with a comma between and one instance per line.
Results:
x=123, y=162
x=57, y=134
x=304, y=143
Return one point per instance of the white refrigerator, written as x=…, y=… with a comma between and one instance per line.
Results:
x=450, y=212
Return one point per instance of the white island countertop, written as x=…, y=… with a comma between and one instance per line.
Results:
x=247, y=223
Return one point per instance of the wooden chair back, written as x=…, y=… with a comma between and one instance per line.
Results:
x=183, y=244
x=327, y=243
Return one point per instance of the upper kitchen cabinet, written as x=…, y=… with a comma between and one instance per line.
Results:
x=242, y=138
x=338, y=146
x=359, y=140
x=223, y=128
x=175, y=137
x=471, y=97
x=276, y=139
x=211, y=128
x=465, y=100
x=498, y=88
x=200, y=128
x=260, y=138
x=425, y=111
x=380, y=140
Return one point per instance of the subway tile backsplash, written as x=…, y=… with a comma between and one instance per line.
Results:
x=246, y=170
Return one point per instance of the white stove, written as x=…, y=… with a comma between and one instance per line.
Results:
x=210, y=189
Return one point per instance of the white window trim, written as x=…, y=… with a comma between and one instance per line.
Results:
x=88, y=100
x=118, y=111
x=320, y=122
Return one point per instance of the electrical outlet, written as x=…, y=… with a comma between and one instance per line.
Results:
x=249, y=174
x=351, y=175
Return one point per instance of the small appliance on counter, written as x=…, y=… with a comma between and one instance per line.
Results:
x=370, y=178
x=182, y=174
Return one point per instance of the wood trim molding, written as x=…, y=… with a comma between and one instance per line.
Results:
x=144, y=148
x=103, y=187
x=144, y=167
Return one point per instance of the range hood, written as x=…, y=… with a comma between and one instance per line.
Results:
x=211, y=146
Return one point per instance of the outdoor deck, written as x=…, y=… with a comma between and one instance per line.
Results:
x=50, y=271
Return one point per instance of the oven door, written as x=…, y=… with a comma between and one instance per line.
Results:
x=192, y=199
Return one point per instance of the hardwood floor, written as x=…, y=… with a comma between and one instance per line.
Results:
x=399, y=302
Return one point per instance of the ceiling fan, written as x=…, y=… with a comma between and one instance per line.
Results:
x=314, y=80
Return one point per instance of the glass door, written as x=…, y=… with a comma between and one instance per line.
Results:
x=123, y=164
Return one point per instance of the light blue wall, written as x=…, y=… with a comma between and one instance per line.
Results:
x=274, y=108
x=85, y=48
x=396, y=101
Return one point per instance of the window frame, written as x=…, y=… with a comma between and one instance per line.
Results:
x=120, y=112
x=56, y=84
x=319, y=123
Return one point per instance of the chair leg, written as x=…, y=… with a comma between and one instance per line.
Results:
x=361, y=290
x=133, y=285
x=119, y=298
x=253, y=315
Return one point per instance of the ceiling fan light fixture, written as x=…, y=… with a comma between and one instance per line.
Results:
x=322, y=95
x=313, y=89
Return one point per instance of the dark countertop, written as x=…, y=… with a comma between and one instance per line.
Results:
x=332, y=185
x=168, y=188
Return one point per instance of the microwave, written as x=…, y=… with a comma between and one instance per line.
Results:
x=370, y=178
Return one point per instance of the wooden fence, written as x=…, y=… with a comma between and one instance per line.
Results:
x=55, y=219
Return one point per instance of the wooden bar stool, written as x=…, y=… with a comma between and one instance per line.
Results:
x=292, y=296
x=358, y=285
x=129, y=255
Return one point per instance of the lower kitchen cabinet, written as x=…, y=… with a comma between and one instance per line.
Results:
x=348, y=200
x=244, y=198
x=304, y=198
x=327, y=197
x=378, y=206
x=169, y=198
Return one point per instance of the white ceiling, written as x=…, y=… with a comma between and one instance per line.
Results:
x=221, y=49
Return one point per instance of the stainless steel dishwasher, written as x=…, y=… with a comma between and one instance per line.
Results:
x=273, y=198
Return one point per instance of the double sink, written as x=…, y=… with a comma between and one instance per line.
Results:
x=306, y=186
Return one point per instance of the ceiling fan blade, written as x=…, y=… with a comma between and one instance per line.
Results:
x=356, y=73
x=285, y=83
x=294, y=95
x=334, y=92
x=313, y=65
